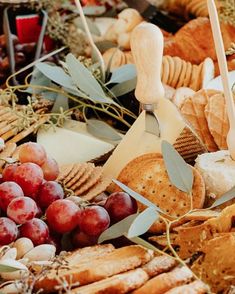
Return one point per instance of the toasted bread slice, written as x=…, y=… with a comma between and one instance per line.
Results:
x=115, y=262
x=196, y=287
x=88, y=253
x=159, y=264
x=164, y=282
x=122, y=283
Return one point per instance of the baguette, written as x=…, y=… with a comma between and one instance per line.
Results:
x=115, y=262
x=119, y=284
x=165, y=282
x=196, y=287
x=158, y=265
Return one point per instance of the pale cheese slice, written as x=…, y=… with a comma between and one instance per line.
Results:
x=67, y=146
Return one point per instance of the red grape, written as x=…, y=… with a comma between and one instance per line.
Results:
x=22, y=209
x=62, y=216
x=80, y=239
x=8, y=192
x=8, y=231
x=48, y=193
x=36, y=230
x=50, y=169
x=94, y=220
x=32, y=152
x=30, y=177
x=120, y=205
x=8, y=172
x=39, y=212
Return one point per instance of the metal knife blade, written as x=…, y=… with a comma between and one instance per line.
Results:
x=152, y=125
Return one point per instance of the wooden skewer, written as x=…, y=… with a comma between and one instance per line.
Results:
x=220, y=51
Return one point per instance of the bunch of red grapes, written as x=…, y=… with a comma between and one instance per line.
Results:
x=32, y=204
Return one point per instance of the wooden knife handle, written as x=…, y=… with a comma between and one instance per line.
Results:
x=147, y=50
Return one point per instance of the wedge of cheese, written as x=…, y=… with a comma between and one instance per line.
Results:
x=67, y=146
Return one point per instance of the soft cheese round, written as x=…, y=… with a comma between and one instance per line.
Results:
x=218, y=171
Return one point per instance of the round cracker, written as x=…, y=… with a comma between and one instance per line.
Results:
x=151, y=181
x=88, y=171
x=166, y=70
x=171, y=70
x=182, y=75
x=178, y=67
x=90, y=182
x=188, y=74
x=128, y=172
x=81, y=168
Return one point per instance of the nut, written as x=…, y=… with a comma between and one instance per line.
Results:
x=15, y=275
x=42, y=252
x=23, y=245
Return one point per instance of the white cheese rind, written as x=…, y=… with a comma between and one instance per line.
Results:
x=218, y=171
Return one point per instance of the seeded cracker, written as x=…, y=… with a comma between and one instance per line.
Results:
x=80, y=170
x=64, y=172
x=88, y=171
x=97, y=189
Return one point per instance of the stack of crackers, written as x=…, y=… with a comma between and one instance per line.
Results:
x=189, y=7
x=206, y=112
x=85, y=179
x=130, y=269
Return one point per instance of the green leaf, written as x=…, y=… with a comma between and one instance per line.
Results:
x=179, y=172
x=102, y=130
x=224, y=198
x=92, y=26
x=124, y=87
x=61, y=102
x=105, y=45
x=117, y=230
x=142, y=242
x=85, y=81
x=137, y=196
x=56, y=74
x=124, y=73
x=143, y=222
x=38, y=79
x=7, y=269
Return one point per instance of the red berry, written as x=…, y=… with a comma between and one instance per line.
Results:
x=8, y=231
x=48, y=193
x=30, y=177
x=8, y=172
x=36, y=230
x=80, y=239
x=50, y=169
x=62, y=216
x=119, y=206
x=8, y=192
x=32, y=152
x=94, y=220
x=22, y=209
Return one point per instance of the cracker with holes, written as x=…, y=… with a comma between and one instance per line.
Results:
x=147, y=175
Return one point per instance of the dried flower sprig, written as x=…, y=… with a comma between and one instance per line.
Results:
x=231, y=50
x=227, y=11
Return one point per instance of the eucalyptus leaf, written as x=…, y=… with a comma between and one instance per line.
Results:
x=124, y=73
x=92, y=26
x=179, y=172
x=117, y=230
x=102, y=130
x=105, y=45
x=7, y=269
x=142, y=242
x=224, y=198
x=124, y=87
x=143, y=222
x=39, y=79
x=61, y=102
x=56, y=74
x=85, y=81
x=137, y=196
